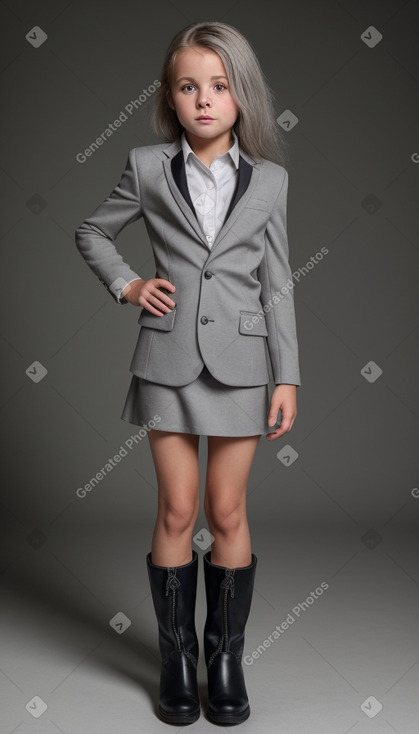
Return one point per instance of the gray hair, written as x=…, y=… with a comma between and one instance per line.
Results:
x=258, y=133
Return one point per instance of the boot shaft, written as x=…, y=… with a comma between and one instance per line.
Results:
x=229, y=595
x=173, y=590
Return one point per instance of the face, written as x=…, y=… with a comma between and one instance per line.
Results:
x=200, y=87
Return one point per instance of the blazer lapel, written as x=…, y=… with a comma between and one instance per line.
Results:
x=179, y=175
x=243, y=180
x=248, y=174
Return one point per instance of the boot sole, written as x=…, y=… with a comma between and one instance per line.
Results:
x=226, y=718
x=180, y=718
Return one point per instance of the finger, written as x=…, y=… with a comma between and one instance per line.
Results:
x=157, y=301
x=277, y=433
x=273, y=413
x=151, y=308
x=286, y=425
x=167, y=301
x=164, y=297
x=162, y=283
x=286, y=417
x=287, y=421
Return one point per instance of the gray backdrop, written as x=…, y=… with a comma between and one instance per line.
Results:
x=336, y=500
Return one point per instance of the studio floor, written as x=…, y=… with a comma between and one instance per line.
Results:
x=79, y=648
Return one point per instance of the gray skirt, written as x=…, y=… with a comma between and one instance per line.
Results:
x=205, y=407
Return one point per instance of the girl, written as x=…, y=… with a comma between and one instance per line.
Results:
x=217, y=326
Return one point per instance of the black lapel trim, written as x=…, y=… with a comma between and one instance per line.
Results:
x=179, y=174
x=243, y=179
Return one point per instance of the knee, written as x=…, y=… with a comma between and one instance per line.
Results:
x=224, y=516
x=179, y=518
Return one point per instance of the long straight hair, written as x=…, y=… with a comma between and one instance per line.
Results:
x=258, y=133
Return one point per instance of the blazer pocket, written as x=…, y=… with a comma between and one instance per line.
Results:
x=258, y=204
x=250, y=327
x=151, y=320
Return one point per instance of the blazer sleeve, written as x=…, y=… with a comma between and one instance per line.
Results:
x=95, y=236
x=277, y=295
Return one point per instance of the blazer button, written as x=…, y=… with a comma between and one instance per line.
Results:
x=208, y=274
x=204, y=320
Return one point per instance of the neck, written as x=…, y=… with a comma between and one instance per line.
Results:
x=207, y=150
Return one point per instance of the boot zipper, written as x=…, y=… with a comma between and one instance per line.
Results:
x=228, y=585
x=173, y=583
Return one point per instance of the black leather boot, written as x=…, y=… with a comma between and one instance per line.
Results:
x=173, y=591
x=229, y=595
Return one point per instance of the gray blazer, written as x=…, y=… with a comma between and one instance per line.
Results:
x=234, y=301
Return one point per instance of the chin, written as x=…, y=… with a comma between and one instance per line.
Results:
x=204, y=132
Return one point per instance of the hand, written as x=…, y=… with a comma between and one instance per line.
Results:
x=284, y=398
x=147, y=293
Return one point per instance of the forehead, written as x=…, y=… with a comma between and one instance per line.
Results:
x=196, y=58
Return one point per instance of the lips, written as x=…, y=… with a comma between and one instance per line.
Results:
x=204, y=117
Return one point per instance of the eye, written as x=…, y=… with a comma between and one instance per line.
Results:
x=220, y=84
x=186, y=85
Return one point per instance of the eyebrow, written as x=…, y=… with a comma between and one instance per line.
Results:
x=191, y=79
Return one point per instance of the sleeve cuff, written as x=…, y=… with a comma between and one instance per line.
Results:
x=117, y=286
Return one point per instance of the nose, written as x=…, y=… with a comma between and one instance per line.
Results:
x=203, y=101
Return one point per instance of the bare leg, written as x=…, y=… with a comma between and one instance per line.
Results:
x=229, y=463
x=175, y=457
